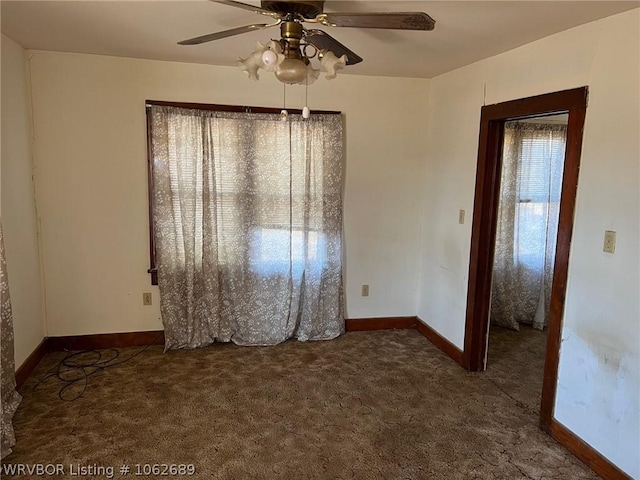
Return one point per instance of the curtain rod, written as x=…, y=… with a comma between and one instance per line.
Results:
x=232, y=108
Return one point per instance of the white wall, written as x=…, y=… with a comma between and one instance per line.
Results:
x=18, y=205
x=89, y=119
x=598, y=385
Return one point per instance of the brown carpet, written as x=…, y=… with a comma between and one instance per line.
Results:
x=369, y=405
x=515, y=364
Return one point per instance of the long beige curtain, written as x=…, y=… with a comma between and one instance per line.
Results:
x=9, y=397
x=248, y=225
x=531, y=182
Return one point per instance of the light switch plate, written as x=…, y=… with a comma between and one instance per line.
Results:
x=461, y=217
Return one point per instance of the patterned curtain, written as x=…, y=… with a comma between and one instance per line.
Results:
x=531, y=182
x=9, y=397
x=248, y=226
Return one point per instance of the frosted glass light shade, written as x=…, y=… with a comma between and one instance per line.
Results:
x=330, y=63
x=270, y=51
x=251, y=64
x=291, y=71
x=311, y=76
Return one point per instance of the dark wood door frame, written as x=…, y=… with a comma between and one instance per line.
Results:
x=493, y=117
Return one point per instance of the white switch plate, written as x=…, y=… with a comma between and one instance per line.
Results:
x=461, y=217
x=365, y=290
x=609, y=245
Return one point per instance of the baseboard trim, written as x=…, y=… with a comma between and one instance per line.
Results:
x=106, y=340
x=381, y=323
x=156, y=337
x=387, y=323
x=32, y=361
x=85, y=342
x=585, y=452
x=439, y=341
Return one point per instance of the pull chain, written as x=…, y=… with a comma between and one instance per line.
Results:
x=283, y=113
x=305, y=111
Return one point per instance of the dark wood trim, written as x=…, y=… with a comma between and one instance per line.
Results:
x=573, y=152
x=32, y=361
x=153, y=270
x=234, y=108
x=586, y=452
x=384, y=323
x=573, y=102
x=106, y=340
x=539, y=105
x=483, y=234
x=439, y=341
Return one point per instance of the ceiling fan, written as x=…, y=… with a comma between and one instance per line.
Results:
x=289, y=57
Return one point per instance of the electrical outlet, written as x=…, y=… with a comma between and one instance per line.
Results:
x=609, y=241
x=461, y=217
x=365, y=290
x=146, y=298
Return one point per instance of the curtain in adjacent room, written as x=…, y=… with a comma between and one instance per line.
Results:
x=9, y=397
x=248, y=226
x=533, y=159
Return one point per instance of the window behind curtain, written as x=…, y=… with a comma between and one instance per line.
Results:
x=539, y=180
x=247, y=217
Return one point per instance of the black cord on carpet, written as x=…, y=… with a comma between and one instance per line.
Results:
x=76, y=368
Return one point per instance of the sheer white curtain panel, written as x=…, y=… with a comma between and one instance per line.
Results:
x=248, y=226
x=531, y=182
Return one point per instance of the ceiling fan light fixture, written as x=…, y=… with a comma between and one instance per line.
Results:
x=292, y=70
x=256, y=60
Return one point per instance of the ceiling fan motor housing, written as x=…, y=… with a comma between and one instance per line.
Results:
x=291, y=33
x=307, y=9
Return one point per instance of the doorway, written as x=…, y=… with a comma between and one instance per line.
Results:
x=485, y=219
x=524, y=254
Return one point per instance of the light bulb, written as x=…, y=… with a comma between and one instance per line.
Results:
x=284, y=115
x=306, y=113
x=269, y=58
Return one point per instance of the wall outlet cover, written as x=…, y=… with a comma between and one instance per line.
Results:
x=147, y=299
x=609, y=245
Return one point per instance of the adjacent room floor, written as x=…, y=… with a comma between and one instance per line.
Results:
x=368, y=405
x=515, y=364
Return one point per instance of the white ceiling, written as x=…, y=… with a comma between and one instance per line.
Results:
x=466, y=31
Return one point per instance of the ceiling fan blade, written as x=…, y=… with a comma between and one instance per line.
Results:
x=225, y=33
x=251, y=8
x=323, y=41
x=395, y=20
